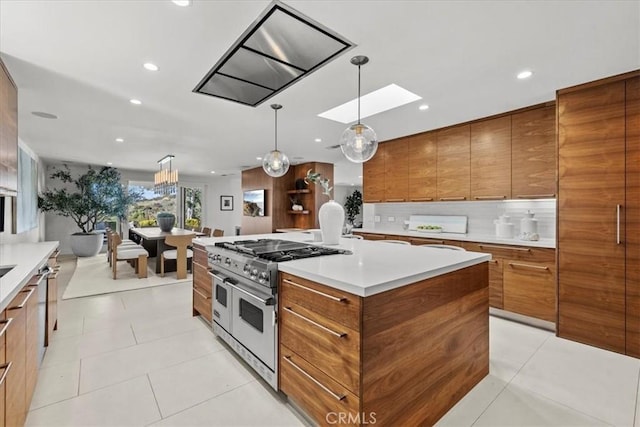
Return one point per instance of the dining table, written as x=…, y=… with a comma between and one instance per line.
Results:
x=153, y=240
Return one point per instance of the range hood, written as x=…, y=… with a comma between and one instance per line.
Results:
x=281, y=47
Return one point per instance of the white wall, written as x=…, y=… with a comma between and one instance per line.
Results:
x=214, y=217
x=36, y=234
x=340, y=193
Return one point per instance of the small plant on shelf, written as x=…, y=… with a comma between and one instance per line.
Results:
x=317, y=179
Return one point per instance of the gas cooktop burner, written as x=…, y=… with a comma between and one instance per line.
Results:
x=277, y=250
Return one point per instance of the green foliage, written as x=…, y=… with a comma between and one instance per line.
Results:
x=148, y=223
x=192, y=223
x=317, y=179
x=98, y=196
x=352, y=205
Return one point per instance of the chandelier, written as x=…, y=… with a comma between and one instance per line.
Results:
x=165, y=180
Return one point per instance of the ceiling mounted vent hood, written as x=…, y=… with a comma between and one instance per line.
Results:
x=281, y=47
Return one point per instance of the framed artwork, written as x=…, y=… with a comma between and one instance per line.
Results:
x=226, y=203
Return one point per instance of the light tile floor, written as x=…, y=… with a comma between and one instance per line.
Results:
x=139, y=358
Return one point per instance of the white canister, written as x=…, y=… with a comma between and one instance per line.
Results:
x=504, y=228
x=529, y=227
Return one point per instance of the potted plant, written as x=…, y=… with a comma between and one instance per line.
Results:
x=88, y=199
x=352, y=208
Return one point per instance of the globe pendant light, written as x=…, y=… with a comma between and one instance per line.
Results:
x=275, y=163
x=359, y=142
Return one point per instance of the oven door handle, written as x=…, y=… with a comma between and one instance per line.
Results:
x=216, y=276
x=268, y=301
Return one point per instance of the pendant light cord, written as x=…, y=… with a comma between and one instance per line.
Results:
x=358, y=94
x=276, y=134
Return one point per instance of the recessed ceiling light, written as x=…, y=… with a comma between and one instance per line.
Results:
x=423, y=107
x=182, y=3
x=524, y=74
x=151, y=67
x=135, y=101
x=258, y=158
x=383, y=99
x=318, y=140
x=119, y=140
x=44, y=115
x=213, y=171
x=109, y=163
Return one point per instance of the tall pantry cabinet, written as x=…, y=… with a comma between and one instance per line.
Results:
x=599, y=213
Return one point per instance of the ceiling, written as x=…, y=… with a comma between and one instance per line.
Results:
x=82, y=61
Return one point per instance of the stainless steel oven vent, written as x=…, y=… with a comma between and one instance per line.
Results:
x=281, y=47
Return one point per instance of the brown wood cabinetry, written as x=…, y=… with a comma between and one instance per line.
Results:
x=202, y=285
x=31, y=350
x=373, y=177
x=454, y=163
x=8, y=133
x=533, y=153
x=491, y=159
x=530, y=289
x=396, y=171
x=16, y=354
x=422, y=167
x=337, y=350
x=5, y=367
x=598, y=213
x=369, y=236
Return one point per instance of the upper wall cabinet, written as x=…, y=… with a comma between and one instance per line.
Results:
x=396, y=171
x=422, y=167
x=454, y=161
x=8, y=133
x=491, y=159
x=533, y=153
x=373, y=181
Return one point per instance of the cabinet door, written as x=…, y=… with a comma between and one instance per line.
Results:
x=491, y=159
x=396, y=170
x=632, y=216
x=422, y=167
x=591, y=173
x=529, y=289
x=202, y=291
x=16, y=337
x=454, y=157
x=533, y=153
x=4, y=367
x=373, y=179
x=8, y=132
x=32, y=343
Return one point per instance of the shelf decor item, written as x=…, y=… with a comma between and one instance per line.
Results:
x=331, y=213
x=359, y=142
x=275, y=163
x=166, y=220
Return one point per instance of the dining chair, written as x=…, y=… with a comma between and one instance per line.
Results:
x=397, y=242
x=181, y=254
x=206, y=231
x=438, y=246
x=138, y=255
x=125, y=243
x=218, y=233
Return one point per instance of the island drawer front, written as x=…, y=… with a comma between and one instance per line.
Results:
x=318, y=395
x=200, y=256
x=202, y=304
x=334, y=304
x=201, y=279
x=329, y=346
x=521, y=253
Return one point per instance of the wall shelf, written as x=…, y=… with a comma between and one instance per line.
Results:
x=305, y=191
x=299, y=212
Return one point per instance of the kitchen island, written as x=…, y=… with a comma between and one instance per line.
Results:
x=391, y=334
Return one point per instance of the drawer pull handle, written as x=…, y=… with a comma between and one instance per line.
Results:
x=430, y=242
x=618, y=224
x=493, y=261
x=318, y=383
x=395, y=200
x=6, y=325
x=535, y=196
x=490, y=197
x=532, y=267
x=453, y=199
x=422, y=199
x=200, y=293
x=5, y=369
x=318, y=325
x=24, y=301
x=331, y=297
x=502, y=247
x=373, y=201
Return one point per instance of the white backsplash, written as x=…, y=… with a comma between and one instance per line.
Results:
x=480, y=214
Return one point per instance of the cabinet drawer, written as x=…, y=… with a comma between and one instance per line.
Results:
x=370, y=236
x=202, y=303
x=317, y=394
x=201, y=279
x=496, y=283
x=341, y=307
x=521, y=253
x=529, y=289
x=329, y=346
x=200, y=256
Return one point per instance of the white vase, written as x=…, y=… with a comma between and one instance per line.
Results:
x=331, y=216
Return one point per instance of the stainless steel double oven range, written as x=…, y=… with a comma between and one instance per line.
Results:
x=245, y=300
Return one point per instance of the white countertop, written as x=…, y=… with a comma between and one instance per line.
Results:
x=373, y=267
x=27, y=258
x=480, y=238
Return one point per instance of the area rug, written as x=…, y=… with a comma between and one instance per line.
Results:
x=93, y=277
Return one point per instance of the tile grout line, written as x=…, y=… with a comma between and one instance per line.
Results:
x=636, y=415
x=155, y=398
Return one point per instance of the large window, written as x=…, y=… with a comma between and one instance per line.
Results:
x=192, y=208
x=143, y=213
